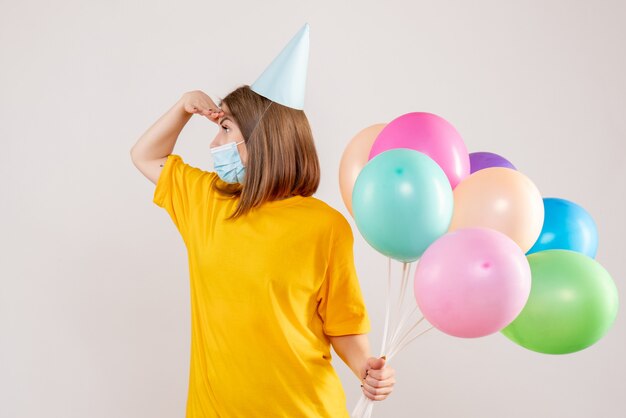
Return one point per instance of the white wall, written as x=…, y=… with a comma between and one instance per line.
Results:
x=94, y=296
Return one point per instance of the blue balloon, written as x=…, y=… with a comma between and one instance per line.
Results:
x=566, y=226
x=402, y=202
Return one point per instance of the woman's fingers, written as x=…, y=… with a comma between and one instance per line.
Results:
x=213, y=114
x=202, y=107
x=381, y=374
x=374, y=397
x=198, y=102
x=375, y=383
x=377, y=389
x=376, y=393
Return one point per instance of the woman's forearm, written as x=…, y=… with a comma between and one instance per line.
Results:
x=159, y=140
x=354, y=350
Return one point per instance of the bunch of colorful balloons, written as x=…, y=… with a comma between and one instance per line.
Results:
x=494, y=256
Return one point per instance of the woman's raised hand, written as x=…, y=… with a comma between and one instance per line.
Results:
x=200, y=103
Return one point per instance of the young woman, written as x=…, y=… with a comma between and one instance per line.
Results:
x=272, y=275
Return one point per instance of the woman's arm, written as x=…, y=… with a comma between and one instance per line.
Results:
x=153, y=147
x=354, y=350
x=159, y=140
x=377, y=379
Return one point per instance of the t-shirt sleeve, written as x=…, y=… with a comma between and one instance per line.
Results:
x=340, y=301
x=181, y=190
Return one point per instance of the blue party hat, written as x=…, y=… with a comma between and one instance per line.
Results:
x=284, y=81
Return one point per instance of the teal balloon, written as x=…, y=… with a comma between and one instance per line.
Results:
x=573, y=302
x=402, y=202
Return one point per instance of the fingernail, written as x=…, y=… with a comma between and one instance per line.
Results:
x=384, y=357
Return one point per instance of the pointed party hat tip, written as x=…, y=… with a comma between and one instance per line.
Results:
x=284, y=81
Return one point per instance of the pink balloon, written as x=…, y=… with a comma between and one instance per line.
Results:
x=431, y=135
x=472, y=282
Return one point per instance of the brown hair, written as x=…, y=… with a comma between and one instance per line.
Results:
x=282, y=159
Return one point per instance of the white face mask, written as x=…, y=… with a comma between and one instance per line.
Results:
x=227, y=162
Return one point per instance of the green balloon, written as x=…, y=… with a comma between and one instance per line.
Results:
x=402, y=202
x=573, y=302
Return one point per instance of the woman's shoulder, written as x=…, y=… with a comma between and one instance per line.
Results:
x=331, y=215
x=190, y=171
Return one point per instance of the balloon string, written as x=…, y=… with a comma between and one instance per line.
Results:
x=365, y=405
x=359, y=409
x=399, y=304
x=405, y=343
x=405, y=335
x=407, y=314
x=369, y=404
x=388, y=302
x=401, y=337
x=405, y=268
x=401, y=325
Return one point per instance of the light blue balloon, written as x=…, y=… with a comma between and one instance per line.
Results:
x=566, y=226
x=402, y=202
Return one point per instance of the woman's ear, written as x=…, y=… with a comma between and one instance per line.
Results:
x=244, y=155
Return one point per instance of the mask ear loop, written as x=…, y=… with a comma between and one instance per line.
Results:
x=258, y=121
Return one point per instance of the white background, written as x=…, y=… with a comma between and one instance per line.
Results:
x=94, y=295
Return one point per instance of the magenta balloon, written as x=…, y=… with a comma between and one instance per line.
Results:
x=472, y=282
x=431, y=135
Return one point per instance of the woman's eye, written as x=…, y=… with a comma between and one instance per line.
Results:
x=225, y=128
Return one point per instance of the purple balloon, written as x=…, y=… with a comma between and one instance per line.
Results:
x=480, y=160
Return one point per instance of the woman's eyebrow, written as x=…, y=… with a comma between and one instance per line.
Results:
x=223, y=119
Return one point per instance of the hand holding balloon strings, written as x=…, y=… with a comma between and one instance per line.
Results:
x=394, y=343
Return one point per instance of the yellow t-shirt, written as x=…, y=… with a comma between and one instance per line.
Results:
x=266, y=291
